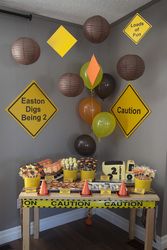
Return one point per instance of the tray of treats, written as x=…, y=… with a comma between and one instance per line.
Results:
x=56, y=185
x=95, y=187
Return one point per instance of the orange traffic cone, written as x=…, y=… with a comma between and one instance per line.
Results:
x=43, y=188
x=89, y=220
x=123, y=189
x=85, y=189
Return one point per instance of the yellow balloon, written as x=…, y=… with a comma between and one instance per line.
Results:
x=84, y=76
x=103, y=124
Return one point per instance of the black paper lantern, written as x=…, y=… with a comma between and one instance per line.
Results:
x=85, y=145
x=130, y=67
x=71, y=84
x=25, y=51
x=96, y=29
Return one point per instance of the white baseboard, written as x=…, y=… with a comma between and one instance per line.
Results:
x=164, y=242
x=119, y=221
x=46, y=223
x=11, y=234
x=76, y=214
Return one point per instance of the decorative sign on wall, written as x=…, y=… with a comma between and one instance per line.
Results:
x=32, y=109
x=137, y=28
x=130, y=110
x=93, y=70
x=62, y=41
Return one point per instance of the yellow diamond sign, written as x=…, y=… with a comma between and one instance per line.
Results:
x=32, y=109
x=137, y=28
x=130, y=110
x=61, y=41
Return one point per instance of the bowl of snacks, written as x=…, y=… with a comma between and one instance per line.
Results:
x=31, y=174
x=70, y=169
x=143, y=177
x=87, y=166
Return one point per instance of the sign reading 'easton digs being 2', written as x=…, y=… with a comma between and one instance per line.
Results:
x=130, y=110
x=32, y=109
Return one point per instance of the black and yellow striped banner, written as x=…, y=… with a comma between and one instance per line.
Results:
x=76, y=203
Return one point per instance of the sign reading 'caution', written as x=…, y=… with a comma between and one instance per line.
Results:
x=130, y=110
x=137, y=28
x=32, y=109
x=70, y=203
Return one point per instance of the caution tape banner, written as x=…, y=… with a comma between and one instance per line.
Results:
x=76, y=203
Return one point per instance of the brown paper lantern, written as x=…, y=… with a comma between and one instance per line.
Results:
x=70, y=84
x=25, y=51
x=130, y=67
x=96, y=29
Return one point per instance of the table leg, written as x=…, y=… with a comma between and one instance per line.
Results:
x=132, y=222
x=26, y=228
x=149, y=229
x=21, y=221
x=36, y=223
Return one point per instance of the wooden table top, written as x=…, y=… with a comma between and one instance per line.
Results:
x=114, y=196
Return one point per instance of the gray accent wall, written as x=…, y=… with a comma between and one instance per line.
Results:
x=57, y=138
x=146, y=146
x=164, y=216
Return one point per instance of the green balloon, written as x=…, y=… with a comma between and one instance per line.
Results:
x=103, y=124
x=85, y=77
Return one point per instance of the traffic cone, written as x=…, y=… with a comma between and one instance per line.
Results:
x=123, y=189
x=43, y=188
x=89, y=220
x=85, y=189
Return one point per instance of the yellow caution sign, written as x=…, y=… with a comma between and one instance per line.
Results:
x=32, y=109
x=137, y=28
x=62, y=41
x=130, y=110
x=76, y=203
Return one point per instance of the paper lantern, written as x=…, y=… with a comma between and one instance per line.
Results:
x=25, y=51
x=130, y=67
x=96, y=29
x=71, y=84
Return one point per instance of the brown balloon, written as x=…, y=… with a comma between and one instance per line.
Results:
x=85, y=145
x=130, y=67
x=71, y=85
x=88, y=108
x=25, y=51
x=106, y=86
x=96, y=29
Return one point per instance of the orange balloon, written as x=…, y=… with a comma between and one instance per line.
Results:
x=88, y=108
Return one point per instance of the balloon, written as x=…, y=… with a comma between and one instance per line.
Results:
x=103, y=124
x=88, y=108
x=85, y=77
x=85, y=145
x=106, y=87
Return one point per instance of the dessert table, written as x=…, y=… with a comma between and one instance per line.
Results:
x=75, y=200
